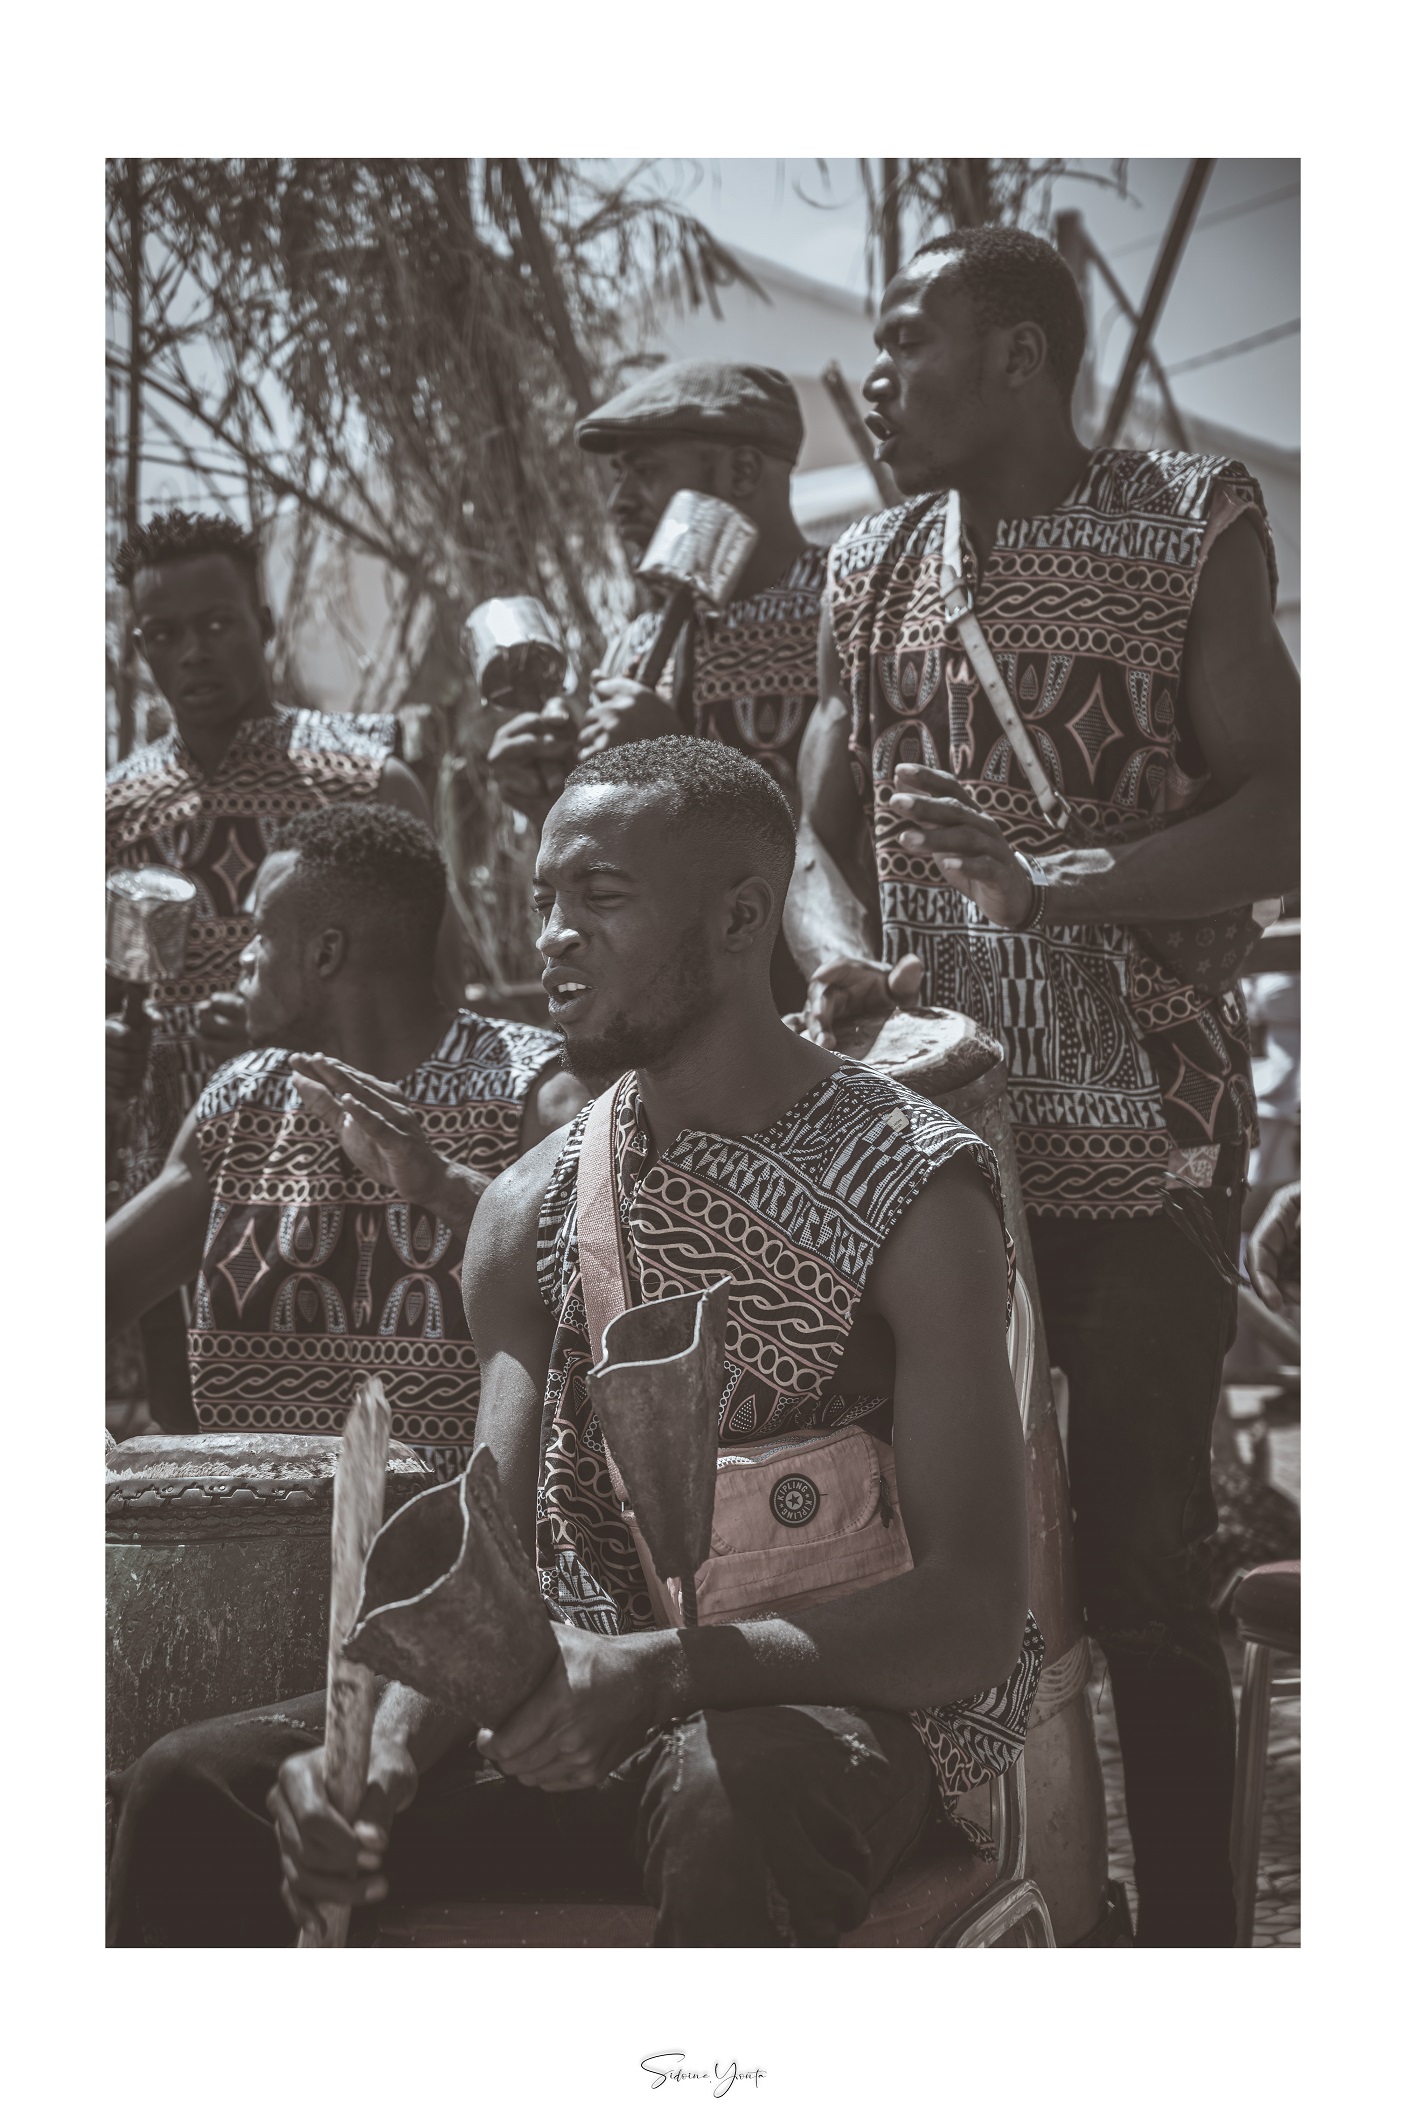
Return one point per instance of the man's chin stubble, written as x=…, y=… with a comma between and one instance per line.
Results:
x=623, y=1044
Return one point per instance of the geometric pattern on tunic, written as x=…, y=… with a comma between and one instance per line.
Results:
x=163, y=809
x=754, y=666
x=794, y=1216
x=245, y=1266
x=1085, y=610
x=313, y=1273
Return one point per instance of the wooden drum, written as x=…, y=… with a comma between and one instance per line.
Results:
x=218, y=1574
x=945, y=1057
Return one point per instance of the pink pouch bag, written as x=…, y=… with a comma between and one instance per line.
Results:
x=800, y=1518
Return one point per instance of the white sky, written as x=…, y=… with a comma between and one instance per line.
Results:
x=1236, y=278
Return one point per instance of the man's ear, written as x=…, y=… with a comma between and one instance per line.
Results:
x=1027, y=354
x=744, y=473
x=330, y=953
x=751, y=909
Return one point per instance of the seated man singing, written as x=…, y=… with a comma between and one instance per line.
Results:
x=754, y=1779
x=323, y=1186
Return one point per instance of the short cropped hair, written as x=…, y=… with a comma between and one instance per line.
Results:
x=170, y=537
x=704, y=784
x=374, y=868
x=1013, y=276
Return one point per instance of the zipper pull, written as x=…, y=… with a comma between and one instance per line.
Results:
x=885, y=1510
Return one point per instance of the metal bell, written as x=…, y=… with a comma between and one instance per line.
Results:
x=516, y=652
x=148, y=922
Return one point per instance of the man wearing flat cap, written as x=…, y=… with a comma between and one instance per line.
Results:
x=746, y=676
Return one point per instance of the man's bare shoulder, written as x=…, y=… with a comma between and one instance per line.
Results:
x=397, y=786
x=557, y=1097
x=948, y=1242
x=507, y=1215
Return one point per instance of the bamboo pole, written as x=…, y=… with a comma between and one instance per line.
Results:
x=544, y=270
x=357, y=1501
x=890, y=217
x=132, y=481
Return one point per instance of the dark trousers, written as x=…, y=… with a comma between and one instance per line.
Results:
x=771, y=1826
x=1139, y=1320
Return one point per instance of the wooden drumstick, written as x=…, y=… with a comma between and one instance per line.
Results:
x=358, y=1497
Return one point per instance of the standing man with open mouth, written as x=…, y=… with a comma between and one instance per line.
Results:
x=1057, y=714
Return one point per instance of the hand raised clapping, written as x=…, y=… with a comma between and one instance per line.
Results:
x=380, y=1132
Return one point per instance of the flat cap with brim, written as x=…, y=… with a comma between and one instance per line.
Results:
x=701, y=398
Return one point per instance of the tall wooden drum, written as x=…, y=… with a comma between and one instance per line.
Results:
x=945, y=1057
x=219, y=1574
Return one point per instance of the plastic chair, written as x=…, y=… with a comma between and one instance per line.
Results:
x=944, y=1893
x=1266, y=1608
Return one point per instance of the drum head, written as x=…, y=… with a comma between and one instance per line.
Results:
x=170, y=1487
x=927, y=1050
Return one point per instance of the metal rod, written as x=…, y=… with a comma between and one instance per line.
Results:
x=1193, y=189
x=1251, y=1752
x=1151, y=360
x=676, y=613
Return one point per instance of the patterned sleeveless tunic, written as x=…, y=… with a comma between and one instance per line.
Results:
x=795, y=1216
x=1119, y=1071
x=755, y=677
x=163, y=809
x=313, y=1273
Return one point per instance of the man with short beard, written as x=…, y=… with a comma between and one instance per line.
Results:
x=745, y=676
x=1092, y=922
x=754, y=1781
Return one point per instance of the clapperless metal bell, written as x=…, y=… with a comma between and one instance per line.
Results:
x=516, y=652
x=656, y=1392
x=148, y=922
x=702, y=543
x=450, y=1602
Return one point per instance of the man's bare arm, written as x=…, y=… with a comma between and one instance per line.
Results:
x=512, y=1334
x=952, y=1627
x=511, y=1327
x=1242, y=694
x=155, y=1242
x=832, y=906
